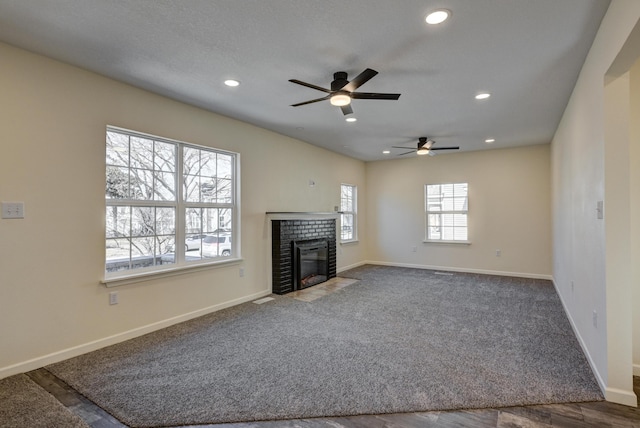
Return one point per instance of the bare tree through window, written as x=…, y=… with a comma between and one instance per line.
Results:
x=143, y=176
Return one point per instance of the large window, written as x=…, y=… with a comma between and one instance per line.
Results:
x=348, y=208
x=168, y=203
x=446, y=207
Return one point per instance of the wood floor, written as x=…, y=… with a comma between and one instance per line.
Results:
x=600, y=414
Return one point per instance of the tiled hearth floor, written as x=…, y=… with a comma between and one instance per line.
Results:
x=320, y=290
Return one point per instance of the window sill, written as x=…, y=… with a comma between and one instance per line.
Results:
x=115, y=281
x=438, y=241
x=353, y=241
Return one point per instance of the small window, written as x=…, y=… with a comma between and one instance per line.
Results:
x=164, y=200
x=348, y=208
x=446, y=207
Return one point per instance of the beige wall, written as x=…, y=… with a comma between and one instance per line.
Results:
x=53, y=120
x=584, y=260
x=509, y=210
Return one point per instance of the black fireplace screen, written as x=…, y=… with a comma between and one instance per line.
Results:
x=310, y=265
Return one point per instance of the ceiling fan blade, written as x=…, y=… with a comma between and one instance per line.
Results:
x=346, y=110
x=444, y=148
x=406, y=153
x=359, y=80
x=373, y=96
x=311, y=101
x=309, y=85
x=402, y=147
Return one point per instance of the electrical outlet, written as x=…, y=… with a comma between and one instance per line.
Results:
x=414, y=249
x=113, y=298
x=595, y=319
x=241, y=272
x=13, y=210
x=498, y=253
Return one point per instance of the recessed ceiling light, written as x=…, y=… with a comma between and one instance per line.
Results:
x=351, y=119
x=490, y=140
x=483, y=96
x=386, y=152
x=232, y=83
x=438, y=16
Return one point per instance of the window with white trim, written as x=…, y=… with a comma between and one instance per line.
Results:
x=348, y=208
x=446, y=207
x=168, y=203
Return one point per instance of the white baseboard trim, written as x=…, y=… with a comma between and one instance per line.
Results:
x=614, y=395
x=464, y=270
x=355, y=265
x=74, y=351
x=620, y=396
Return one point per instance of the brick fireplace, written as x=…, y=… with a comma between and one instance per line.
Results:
x=288, y=237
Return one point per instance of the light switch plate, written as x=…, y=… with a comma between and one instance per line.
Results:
x=13, y=210
x=600, y=210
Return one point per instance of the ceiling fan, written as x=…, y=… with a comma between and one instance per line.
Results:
x=342, y=91
x=424, y=147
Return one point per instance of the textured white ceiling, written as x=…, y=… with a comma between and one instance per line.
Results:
x=527, y=53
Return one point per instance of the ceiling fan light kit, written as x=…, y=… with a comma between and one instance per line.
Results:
x=424, y=147
x=340, y=99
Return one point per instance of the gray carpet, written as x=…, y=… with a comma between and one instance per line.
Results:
x=25, y=404
x=399, y=340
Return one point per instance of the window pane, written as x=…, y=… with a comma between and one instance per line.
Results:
x=347, y=226
x=207, y=164
x=193, y=219
x=165, y=221
x=118, y=221
x=447, y=204
x=165, y=157
x=208, y=189
x=460, y=189
x=225, y=220
x=225, y=166
x=141, y=184
x=460, y=204
x=143, y=252
x=117, y=183
x=225, y=191
x=141, y=153
x=165, y=186
x=346, y=198
x=165, y=249
x=142, y=221
x=460, y=220
x=118, y=252
x=191, y=188
x=117, y=149
x=191, y=161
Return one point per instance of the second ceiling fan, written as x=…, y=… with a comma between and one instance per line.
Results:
x=424, y=147
x=342, y=91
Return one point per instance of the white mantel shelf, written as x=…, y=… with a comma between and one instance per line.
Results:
x=291, y=215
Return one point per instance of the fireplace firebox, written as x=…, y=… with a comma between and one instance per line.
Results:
x=310, y=263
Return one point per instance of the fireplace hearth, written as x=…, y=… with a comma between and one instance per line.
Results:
x=303, y=253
